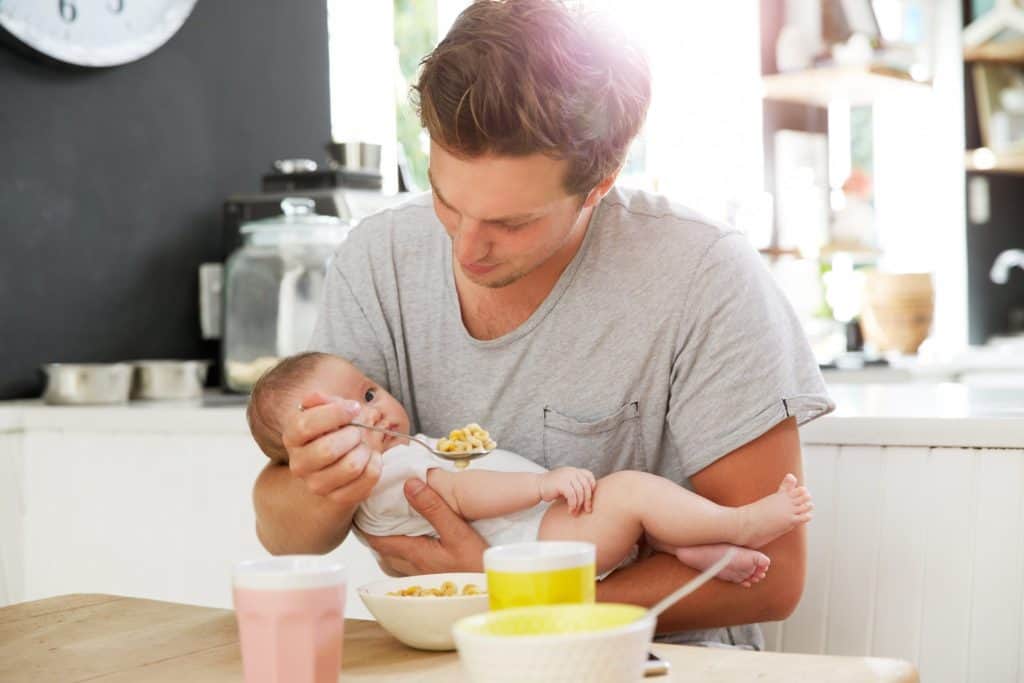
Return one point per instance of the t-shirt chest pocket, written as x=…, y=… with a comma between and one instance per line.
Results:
x=602, y=445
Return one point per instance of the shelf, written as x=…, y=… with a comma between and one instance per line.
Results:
x=778, y=252
x=857, y=253
x=1009, y=52
x=986, y=160
x=857, y=85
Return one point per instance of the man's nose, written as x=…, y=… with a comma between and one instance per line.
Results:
x=471, y=244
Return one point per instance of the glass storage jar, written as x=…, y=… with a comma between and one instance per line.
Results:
x=273, y=284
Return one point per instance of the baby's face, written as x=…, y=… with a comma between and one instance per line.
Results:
x=335, y=377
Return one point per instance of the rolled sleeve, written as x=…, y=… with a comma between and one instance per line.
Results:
x=744, y=363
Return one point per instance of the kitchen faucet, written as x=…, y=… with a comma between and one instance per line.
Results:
x=1000, y=273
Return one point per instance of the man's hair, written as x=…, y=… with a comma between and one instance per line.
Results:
x=274, y=386
x=518, y=77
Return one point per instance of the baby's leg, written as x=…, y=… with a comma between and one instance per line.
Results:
x=628, y=503
x=613, y=534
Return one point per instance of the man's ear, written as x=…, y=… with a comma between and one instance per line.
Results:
x=600, y=190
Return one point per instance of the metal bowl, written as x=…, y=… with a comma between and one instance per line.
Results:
x=87, y=383
x=169, y=380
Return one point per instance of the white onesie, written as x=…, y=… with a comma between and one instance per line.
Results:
x=387, y=512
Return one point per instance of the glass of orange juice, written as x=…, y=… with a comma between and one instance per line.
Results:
x=540, y=573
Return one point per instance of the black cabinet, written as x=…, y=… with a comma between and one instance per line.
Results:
x=996, y=202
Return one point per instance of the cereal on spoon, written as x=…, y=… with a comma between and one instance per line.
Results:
x=468, y=439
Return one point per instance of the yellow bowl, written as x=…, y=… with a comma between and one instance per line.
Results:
x=424, y=623
x=597, y=643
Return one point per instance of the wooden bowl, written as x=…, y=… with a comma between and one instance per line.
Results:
x=898, y=310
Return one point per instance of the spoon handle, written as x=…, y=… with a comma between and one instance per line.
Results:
x=401, y=435
x=693, y=584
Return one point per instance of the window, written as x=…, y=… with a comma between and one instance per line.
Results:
x=701, y=144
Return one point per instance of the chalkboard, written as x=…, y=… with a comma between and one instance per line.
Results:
x=112, y=180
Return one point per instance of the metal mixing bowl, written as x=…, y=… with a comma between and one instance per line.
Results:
x=169, y=380
x=87, y=383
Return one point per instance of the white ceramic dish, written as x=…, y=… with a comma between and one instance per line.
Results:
x=423, y=622
x=529, y=644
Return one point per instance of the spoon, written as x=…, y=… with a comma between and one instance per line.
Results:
x=692, y=585
x=461, y=460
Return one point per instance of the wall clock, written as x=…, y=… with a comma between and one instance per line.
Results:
x=93, y=33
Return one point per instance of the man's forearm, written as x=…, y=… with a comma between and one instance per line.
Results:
x=717, y=603
x=291, y=519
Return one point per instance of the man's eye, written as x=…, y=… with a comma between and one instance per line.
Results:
x=512, y=227
x=369, y=395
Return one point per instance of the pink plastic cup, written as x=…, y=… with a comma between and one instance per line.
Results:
x=291, y=618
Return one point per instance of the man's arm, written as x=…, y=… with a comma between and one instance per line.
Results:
x=744, y=475
x=307, y=505
x=291, y=519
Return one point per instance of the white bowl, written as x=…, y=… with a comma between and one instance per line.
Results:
x=423, y=622
x=501, y=646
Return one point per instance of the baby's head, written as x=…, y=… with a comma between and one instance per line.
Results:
x=279, y=393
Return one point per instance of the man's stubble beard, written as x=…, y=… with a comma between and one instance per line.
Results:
x=518, y=275
x=509, y=279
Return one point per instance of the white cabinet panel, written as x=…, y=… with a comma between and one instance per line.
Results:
x=997, y=588
x=805, y=629
x=918, y=554
x=948, y=485
x=898, y=599
x=159, y=516
x=12, y=514
x=860, y=473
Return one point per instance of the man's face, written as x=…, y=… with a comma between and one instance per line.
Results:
x=506, y=216
x=336, y=377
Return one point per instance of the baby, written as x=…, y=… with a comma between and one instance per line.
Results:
x=508, y=498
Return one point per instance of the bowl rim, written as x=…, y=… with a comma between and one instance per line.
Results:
x=647, y=620
x=367, y=589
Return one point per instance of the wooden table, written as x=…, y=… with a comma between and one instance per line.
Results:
x=110, y=639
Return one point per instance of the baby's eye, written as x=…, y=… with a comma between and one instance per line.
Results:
x=370, y=395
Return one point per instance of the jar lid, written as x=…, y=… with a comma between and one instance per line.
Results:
x=297, y=213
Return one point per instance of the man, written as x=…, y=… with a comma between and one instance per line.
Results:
x=580, y=323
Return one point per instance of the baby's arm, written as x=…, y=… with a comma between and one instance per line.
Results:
x=483, y=494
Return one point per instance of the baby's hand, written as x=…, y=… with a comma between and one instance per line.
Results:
x=571, y=483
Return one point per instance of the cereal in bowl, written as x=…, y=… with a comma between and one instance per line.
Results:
x=447, y=589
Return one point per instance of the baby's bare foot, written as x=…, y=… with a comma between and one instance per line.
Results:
x=765, y=520
x=746, y=567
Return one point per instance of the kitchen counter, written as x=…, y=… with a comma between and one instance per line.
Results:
x=921, y=414
x=891, y=414
x=160, y=417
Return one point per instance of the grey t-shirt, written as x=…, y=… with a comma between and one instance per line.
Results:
x=664, y=345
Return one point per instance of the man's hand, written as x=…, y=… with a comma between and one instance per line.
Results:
x=330, y=457
x=573, y=484
x=459, y=547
